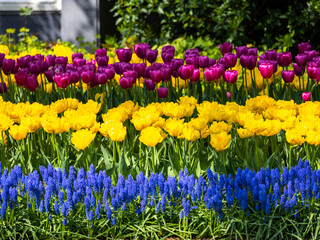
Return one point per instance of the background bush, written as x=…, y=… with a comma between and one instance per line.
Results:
x=263, y=23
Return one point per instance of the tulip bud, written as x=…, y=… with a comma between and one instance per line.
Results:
x=167, y=56
x=100, y=53
x=86, y=76
x=301, y=59
x=139, y=68
x=61, y=61
x=213, y=73
x=102, y=61
x=32, y=83
x=141, y=49
x=77, y=55
x=312, y=70
x=284, y=59
x=149, y=84
x=74, y=76
x=101, y=78
x=162, y=92
x=225, y=47
x=230, y=76
x=195, y=76
x=194, y=60
x=51, y=60
x=252, y=51
x=230, y=60
x=318, y=75
x=62, y=80
x=271, y=55
x=186, y=71
x=287, y=76
x=156, y=75
x=304, y=46
x=35, y=68
x=166, y=73
x=241, y=50
x=125, y=82
x=124, y=54
x=21, y=77
x=168, y=48
x=212, y=62
x=311, y=54
x=229, y=95
x=151, y=55
x=203, y=62
x=194, y=52
x=266, y=70
x=8, y=66
x=306, y=96
x=299, y=71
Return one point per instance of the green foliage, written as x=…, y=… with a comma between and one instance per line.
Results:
x=263, y=23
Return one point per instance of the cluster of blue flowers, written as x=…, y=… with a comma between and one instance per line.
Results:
x=54, y=191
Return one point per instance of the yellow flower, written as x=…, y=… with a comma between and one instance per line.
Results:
x=220, y=141
x=151, y=136
x=32, y=123
x=18, y=132
x=244, y=133
x=294, y=137
x=119, y=114
x=5, y=122
x=82, y=138
x=114, y=130
x=173, y=126
x=189, y=133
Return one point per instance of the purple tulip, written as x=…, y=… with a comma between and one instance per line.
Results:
x=287, y=76
x=271, y=55
x=311, y=70
x=162, y=92
x=241, y=50
x=110, y=72
x=151, y=55
x=51, y=60
x=62, y=80
x=23, y=62
x=139, y=68
x=311, y=54
x=306, y=96
x=230, y=59
x=21, y=77
x=166, y=73
x=141, y=49
x=78, y=62
x=125, y=82
x=194, y=60
x=212, y=62
x=229, y=95
x=195, y=76
x=102, y=61
x=266, y=70
x=61, y=61
x=191, y=52
x=32, y=83
x=203, y=62
x=230, y=76
x=74, y=76
x=3, y=87
x=299, y=71
x=156, y=75
x=168, y=48
x=77, y=55
x=131, y=74
x=213, y=73
x=49, y=75
x=8, y=66
x=150, y=85
x=176, y=63
x=253, y=51
x=100, y=53
x=248, y=61
x=86, y=76
x=284, y=59
x=225, y=48
x=100, y=78
x=304, y=46
x=186, y=71
x=121, y=67
x=167, y=57
x=2, y=55
x=301, y=59
x=35, y=68
x=124, y=54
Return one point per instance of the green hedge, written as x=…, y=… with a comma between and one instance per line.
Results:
x=269, y=23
